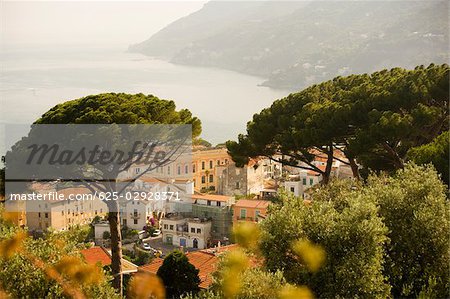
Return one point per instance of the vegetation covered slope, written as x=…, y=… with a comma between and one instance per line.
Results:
x=298, y=43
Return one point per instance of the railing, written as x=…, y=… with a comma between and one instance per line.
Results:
x=245, y=218
x=135, y=215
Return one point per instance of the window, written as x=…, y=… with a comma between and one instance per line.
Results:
x=186, y=169
x=137, y=170
x=292, y=189
x=166, y=226
x=46, y=215
x=199, y=230
x=135, y=221
x=257, y=212
x=194, y=182
x=243, y=213
x=218, y=162
x=179, y=170
x=238, y=185
x=168, y=169
x=171, y=227
x=39, y=214
x=304, y=181
x=62, y=212
x=193, y=167
x=192, y=230
x=208, y=203
x=218, y=203
x=210, y=164
x=203, y=179
x=211, y=178
x=226, y=161
x=203, y=165
x=311, y=181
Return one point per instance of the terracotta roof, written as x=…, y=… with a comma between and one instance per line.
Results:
x=150, y=180
x=96, y=254
x=214, y=197
x=252, y=203
x=204, y=260
x=206, y=263
x=221, y=249
x=100, y=255
x=314, y=173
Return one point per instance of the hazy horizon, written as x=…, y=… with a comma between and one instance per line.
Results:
x=97, y=23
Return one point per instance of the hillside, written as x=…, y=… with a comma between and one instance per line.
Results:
x=294, y=44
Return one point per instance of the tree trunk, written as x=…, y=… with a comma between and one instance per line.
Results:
x=325, y=178
x=355, y=169
x=327, y=173
x=397, y=161
x=116, y=249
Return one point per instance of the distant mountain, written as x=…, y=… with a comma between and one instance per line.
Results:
x=297, y=43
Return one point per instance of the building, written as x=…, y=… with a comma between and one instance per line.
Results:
x=294, y=186
x=206, y=261
x=250, y=210
x=62, y=214
x=15, y=212
x=99, y=229
x=206, y=167
x=218, y=209
x=186, y=232
x=250, y=179
x=152, y=198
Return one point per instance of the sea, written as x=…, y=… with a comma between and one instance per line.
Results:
x=34, y=78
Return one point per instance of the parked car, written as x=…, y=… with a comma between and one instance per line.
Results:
x=146, y=246
x=156, y=232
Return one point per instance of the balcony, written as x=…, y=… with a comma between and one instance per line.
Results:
x=245, y=218
x=135, y=215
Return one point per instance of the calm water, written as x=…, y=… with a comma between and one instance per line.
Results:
x=34, y=79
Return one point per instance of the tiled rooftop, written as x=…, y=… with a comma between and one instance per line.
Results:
x=252, y=203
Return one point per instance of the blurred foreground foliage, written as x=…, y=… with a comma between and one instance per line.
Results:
x=386, y=238
x=49, y=267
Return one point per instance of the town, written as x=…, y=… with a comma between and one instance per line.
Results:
x=214, y=195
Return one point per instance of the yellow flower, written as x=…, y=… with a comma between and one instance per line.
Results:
x=234, y=264
x=236, y=260
x=291, y=292
x=11, y=246
x=231, y=283
x=76, y=270
x=247, y=234
x=146, y=285
x=312, y=255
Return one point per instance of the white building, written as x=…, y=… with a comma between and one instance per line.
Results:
x=153, y=198
x=99, y=230
x=294, y=187
x=186, y=232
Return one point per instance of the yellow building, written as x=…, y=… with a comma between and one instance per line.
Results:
x=15, y=212
x=205, y=168
x=62, y=214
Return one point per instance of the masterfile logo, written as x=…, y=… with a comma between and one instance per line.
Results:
x=105, y=159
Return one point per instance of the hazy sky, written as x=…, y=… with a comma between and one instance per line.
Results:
x=99, y=22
